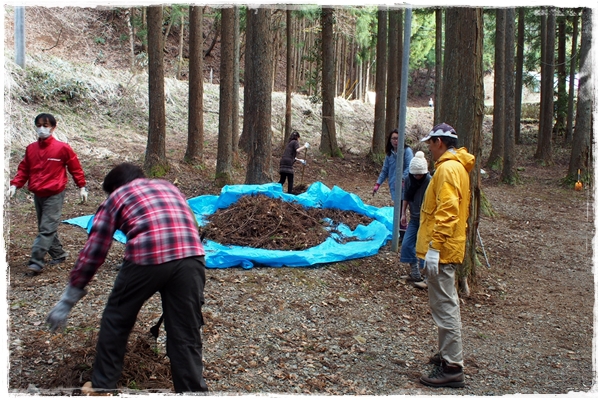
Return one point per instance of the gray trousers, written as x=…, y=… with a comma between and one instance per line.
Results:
x=445, y=310
x=49, y=211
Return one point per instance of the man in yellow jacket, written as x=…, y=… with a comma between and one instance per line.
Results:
x=441, y=243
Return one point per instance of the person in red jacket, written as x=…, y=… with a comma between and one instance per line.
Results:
x=45, y=167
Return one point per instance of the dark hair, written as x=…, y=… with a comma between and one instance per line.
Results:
x=121, y=175
x=294, y=136
x=46, y=117
x=448, y=141
x=388, y=143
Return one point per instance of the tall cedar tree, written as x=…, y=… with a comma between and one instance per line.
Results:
x=497, y=151
x=194, y=150
x=439, y=14
x=462, y=107
x=258, y=77
x=570, y=106
x=223, y=175
x=582, y=137
x=393, y=73
x=508, y=165
x=156, y=163
x=329, y=145
x=519, y=74
x=544, y=147
x=378, y=141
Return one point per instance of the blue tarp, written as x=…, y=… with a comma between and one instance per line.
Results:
x=367, y=240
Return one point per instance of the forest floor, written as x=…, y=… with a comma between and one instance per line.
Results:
x=346, y=328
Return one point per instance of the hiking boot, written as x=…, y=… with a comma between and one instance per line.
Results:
x=444, y=375
x=435, y=359
x=33, y=269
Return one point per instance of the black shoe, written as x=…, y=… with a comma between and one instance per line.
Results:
x=58, y=260
x=445, y=375
x=33, y=269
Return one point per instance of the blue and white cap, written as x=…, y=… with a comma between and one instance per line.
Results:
x=442, y=129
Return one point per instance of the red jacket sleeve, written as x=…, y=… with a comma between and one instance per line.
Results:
x=74, y=167
x=22, y=172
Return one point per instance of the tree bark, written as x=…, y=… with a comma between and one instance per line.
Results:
x=519, y=74
x=494, y=161
x=236, y=86
x=257, y=96
x=288, y=74
x=328, y=144
x=581, y=149
x=180, y=53
x=393, y=75
x=378, y=141
x=155, y=164
x=223, y=175
x=508, y=165
x=561, y=72
x=570, y=106
x=438, y=65
x=194, y=150
x=129, y=17
x=462, y=107
x=544, y=148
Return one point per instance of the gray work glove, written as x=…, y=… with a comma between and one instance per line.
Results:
x=12, y=191
x=83, y=193
x=58, y=315
x=432, y=260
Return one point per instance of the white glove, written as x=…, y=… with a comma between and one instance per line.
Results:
x=307, y=145
x=83, y=193
x=58, y=315
x=432, y=260
x=12, y=191
x=301, y=161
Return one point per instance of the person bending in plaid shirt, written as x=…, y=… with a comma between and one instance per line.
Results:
x=164, y=254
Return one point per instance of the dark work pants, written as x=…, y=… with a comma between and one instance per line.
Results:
x=48, y=211
x=290, y=179
x=181, y=287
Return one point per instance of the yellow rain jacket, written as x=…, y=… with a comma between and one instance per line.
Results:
x=445, y=207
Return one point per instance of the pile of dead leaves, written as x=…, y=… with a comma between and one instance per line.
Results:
x=260, y=221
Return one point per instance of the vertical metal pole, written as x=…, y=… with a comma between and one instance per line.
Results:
x=20, y=36
x=401, y=128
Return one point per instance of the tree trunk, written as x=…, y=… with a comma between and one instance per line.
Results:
x=168, y=31
x=129, y=18
x=494, y=161
x=223, y=175
x=328, y=144
x=462, y=107
x=236, y=86
x=544, y=149
x=570, y=106
x=438, y=65
x=508, y=165
x=519, y=74
x=393, y=75
x=257, y=96
x=561, y=71
x=288, y=74
x=145, y=25
x=217, y=29
x=581, y=150
x=155, y=164
x=378, y=141
x=180, y=56
x=194, y=151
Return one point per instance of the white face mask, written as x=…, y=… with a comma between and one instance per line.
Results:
x=42, y=131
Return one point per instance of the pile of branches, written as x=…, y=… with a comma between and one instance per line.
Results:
x=263, y=222
x=144, y=366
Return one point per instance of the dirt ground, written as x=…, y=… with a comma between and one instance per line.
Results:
x=349, y=328
x=346, y=328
